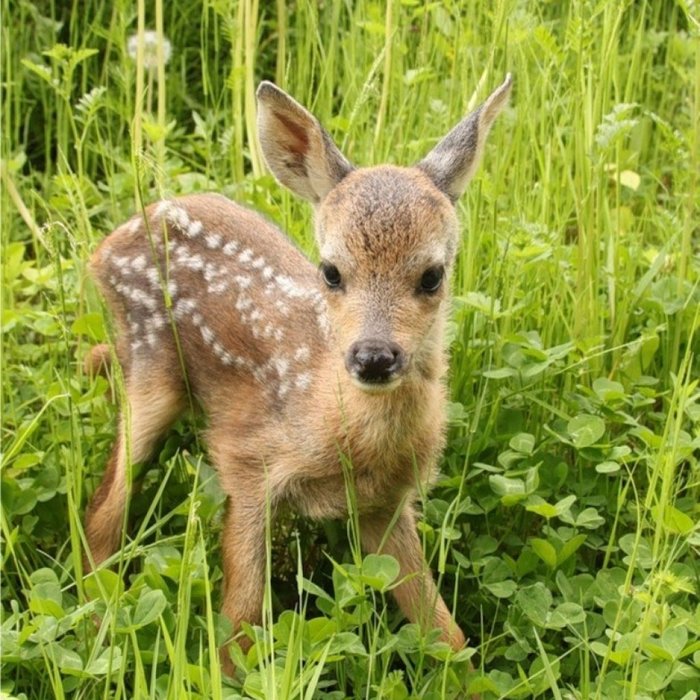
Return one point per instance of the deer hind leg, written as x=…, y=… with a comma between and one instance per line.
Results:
x=154, y=402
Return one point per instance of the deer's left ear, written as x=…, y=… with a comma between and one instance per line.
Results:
x=451, y=164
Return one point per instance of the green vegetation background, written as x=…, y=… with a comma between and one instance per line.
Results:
x=564, y=529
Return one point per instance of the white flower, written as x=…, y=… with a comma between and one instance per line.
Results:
x=150, y=48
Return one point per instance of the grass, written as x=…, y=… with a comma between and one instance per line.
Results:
x=564, y=528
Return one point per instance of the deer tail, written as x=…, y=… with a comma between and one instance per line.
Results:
x=98, y=360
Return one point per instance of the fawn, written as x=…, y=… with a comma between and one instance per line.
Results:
x=297, y=368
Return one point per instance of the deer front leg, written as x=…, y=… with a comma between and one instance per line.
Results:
x=417, y=595
x=243, y=553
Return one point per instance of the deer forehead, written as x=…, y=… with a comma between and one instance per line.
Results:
x=389, y=216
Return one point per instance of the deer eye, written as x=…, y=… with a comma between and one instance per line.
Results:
x=432, y=279
x=331, y=275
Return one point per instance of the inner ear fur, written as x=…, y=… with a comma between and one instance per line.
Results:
x=298, y=150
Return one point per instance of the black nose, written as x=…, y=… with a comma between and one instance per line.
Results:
x=374, y=361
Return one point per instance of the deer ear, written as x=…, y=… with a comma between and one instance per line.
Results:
x=451, y=164
x=297, y=148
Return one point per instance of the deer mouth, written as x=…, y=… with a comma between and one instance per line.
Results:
x=384, y=387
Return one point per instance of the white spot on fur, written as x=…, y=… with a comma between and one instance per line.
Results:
x=243, y=303
x=302, y=354
x=134, y=224
x=268, y=272
x=158, y=321
x=184, y=259
x=138, y=296
x=289, y=287
x=217, y=287
x=224, y=356
x=283, y=389
x=258, y=263
x=179, y=217
x=163, y=207
x=184, y=307
x=246, y=256
x=303, y=381
x=172, y=288
x=139, y=263
x=194, y=229
x=122, y=262
x=243, y=281
x=213, y=240
x=210, y=271
x=153, y=277
x=281, y=365
x=230, y=248
x=207, y=334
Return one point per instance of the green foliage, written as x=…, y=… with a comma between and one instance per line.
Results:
x=564, y=526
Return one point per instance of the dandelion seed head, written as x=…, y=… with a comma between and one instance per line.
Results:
x=149, y=41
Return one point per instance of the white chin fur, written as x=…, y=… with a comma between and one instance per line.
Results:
x=383, y=388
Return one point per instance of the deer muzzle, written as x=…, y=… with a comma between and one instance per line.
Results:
x=375, y=363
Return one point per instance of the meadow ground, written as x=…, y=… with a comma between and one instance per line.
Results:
x=564, y=527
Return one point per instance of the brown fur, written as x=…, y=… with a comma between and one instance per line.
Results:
x=209, y=296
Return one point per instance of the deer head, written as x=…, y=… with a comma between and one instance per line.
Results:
x=387, y=236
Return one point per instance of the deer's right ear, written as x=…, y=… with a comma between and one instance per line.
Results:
x=297, y=148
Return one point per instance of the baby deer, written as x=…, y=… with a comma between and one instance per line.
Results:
x=300, y=370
